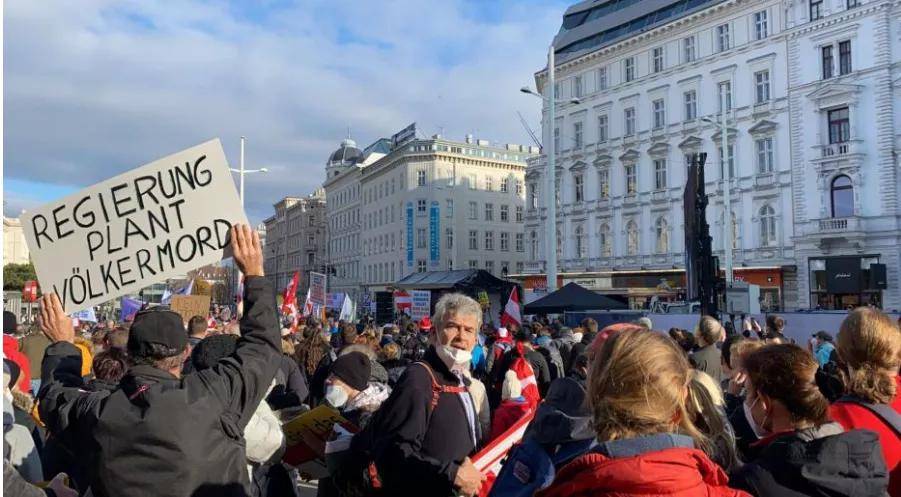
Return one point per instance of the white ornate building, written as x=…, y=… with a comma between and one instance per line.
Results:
x=647, y=73
x=295, y=240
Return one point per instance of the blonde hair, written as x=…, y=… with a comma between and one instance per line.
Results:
x=287, y=347
x=869, y=346
x=637, y=385
x=706, y=406
x=391, y=351
x=709, y=330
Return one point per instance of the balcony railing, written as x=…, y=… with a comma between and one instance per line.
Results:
x=534, y=267
x=836, y=149
x=833, y=224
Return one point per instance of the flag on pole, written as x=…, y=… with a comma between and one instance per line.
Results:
x=489, y=460
x=348, y=309
x=185, y=290
x=308, y=305
x=130, y=307
x=511, y=313
x=289, y=299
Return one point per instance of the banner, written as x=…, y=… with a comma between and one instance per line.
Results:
x=409, y=234
x=421, y=304
x=317, y=289
x=434, y=238
x=489, y=460
x=334, y=300
x=189, y=306
x=85, y=315
x=130, y=307
x=402, y=302
x=155, y=222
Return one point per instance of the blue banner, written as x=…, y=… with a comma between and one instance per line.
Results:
x=410, y=235
x=434, y=240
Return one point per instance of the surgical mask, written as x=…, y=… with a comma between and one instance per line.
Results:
x=452, y=356
x=335, y=396
x=759, y=431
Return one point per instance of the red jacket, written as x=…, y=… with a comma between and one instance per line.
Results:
x=506, y=415
x=852, y=416
x=11, y=351
x=676, y=472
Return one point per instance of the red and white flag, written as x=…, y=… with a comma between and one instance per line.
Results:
x=289, y=299
x=511, y=313
x=308, y=305
x=489, y=460
x=403, y=301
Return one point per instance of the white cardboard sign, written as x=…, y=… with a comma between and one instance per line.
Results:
x=422, y=300
x=155, y=222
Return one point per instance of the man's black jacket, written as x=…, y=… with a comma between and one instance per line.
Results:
x=157, y=435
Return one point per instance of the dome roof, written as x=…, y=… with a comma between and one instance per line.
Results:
x=346, y=153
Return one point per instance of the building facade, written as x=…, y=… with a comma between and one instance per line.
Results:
x=15, y=250
x=426, y=205
x=295, y=240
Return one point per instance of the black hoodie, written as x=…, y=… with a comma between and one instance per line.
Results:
x=580, y=348
x=817, y=462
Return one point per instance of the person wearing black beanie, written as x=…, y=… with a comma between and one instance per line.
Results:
x=348, y=376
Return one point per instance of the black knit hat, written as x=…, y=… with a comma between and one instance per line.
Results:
x=354, y=369
x=212, y=349
x=156, y=326
x=9, y=322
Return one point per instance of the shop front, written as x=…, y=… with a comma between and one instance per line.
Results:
x=845, y=282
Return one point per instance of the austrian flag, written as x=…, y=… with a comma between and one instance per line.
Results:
x=511, y=313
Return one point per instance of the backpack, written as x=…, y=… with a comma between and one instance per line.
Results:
x=884, y=412
x=530, y=468
x=554, y=361
x=358, y=475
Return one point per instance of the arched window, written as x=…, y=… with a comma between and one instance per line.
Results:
x=632, y=238
x=662, y=236
x=580, y=242
x=533, y=245
x=842, y=197
x=605, y=242
x=767, y=226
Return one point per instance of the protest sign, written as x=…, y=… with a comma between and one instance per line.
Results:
x=188, y=306
x=334, y=300
x=306, y=436
x=155, y=222
x=317, y=288
x=421, y=303
x=489, y=460
x=130, y=307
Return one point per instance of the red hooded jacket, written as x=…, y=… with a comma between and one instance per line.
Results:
x=675, y=472
x=851, y=416
x=506, y=415
x=11, y=351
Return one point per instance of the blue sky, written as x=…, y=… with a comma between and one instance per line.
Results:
x=96, y=87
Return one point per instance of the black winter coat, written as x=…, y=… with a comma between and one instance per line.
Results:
x=843, y=464
x=416, y=449
x=581, y=347
x=157, y=435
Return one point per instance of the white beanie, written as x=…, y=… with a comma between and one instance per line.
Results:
x=511, y=388
x=502, y=332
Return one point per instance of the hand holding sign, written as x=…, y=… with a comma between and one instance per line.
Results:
x=247, y=250
x=54, y=321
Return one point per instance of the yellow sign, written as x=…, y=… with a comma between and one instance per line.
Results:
x=189, y=306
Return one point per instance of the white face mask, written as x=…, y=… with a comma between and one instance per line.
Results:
x=335, y=396
x=452, y=356
x=758, y=430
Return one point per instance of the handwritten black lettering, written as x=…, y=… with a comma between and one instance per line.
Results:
x=88, y=219
x=42, y=231
x=60, y=222
x=148, y=190
x=206, y=174
x=119, y=201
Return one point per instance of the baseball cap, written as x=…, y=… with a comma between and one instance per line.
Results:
x=156, y=326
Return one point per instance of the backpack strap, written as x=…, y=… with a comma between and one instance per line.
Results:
x=437, y=389
x=888, y=415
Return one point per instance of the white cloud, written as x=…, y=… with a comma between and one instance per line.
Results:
x=95, y=87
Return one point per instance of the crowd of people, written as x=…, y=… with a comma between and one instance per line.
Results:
x=156, y=406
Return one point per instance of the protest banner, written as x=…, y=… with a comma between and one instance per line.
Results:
x=188, y=306
x=317, y=289
x=334, y=300
x=421, y=304
x=155, y=222
x=489, y=460
x=306, y=436
x=130, y=307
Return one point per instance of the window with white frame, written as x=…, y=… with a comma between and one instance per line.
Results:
x=489, y=211
x=420, y=266
x=850, y=4
x=489, y=266
x=420, y=177
x=449, y=236
x=764, y=155
x=473, y=264
x=839, y=123
x=473, y=240
x=761, y=25
x=473, y=211
x=659, y=174
x=602, y=78
x=559, y=244
x=603, y=128
x=518, y=214
x=730, y=149
x=662, y=232
x=533, y=245
x=505, y=241
x=723, y=38
x=520, y=243
x=504, y=185
x=489, y=184
x=604, y=241
x=577, y=86
x=578, y=187
x=577, y=134
x=519, y=187
x=581, y=244
x=632, y=238
x=631, y=179
x=689, y=51
x=767, y=217
x=724, y=93
x=659, y=108
x=828, y=60
x=629, y=69
x=489, y=240
x=690, y=100
x=762, y=86
x=472, y=182
x=533, y=196
x=505, y=213
x=816, y=9
x=629, y=121
x=449, y=209
x=603, y=183
x=420, y=238
x=657, y=59
x=844, y=57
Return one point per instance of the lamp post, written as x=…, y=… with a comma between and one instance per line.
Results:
x=551, y=100
x=241, y=172
x=727, y=186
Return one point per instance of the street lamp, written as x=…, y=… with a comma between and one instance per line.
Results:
x=550, y=100
x=241, y=171
x=727, y=183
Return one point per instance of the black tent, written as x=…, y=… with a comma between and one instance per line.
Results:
x=573, y=297
x=463, y=280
